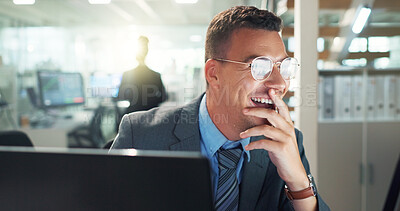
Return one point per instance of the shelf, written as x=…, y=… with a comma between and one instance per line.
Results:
x=326, y=121
x=359, y=71
x=384, y=71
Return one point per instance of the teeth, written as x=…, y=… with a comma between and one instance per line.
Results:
x=262, y=100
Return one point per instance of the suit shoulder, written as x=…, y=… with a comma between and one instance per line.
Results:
x=154, y=73
x=154, y=117
x=153, y=129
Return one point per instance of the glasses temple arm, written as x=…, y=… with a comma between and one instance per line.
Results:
x=226, y=60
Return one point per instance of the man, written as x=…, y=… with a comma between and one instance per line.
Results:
x=241, y=124
x=142, y=87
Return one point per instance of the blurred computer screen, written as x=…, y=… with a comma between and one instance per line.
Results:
x=104, y=85
x=60, y=88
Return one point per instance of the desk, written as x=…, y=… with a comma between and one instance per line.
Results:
x=56, y=135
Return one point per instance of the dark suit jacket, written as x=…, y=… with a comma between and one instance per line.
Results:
x=143, y=88
x=178, y=129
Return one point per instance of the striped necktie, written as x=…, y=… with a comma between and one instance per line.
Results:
x=227, y=197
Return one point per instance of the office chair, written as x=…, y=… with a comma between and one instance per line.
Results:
x=90, y=136
x=15, y=138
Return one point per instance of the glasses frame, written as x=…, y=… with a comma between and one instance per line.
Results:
x=278, y=65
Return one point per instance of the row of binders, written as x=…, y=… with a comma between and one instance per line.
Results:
x=351, y=97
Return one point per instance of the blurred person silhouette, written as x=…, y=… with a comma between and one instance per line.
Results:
x=141, y=86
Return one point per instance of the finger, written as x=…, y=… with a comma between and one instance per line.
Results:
x=267, y=131
x=274, y=118
x=280, y=105
x=265, y=144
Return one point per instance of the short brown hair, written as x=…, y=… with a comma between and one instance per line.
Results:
x=223, y=24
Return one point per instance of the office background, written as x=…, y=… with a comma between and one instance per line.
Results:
x=89, y=44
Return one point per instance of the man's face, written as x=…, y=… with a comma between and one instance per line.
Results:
x=237, y=88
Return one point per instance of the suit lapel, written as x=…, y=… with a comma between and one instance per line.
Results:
x=254, y=174
x=187, y=128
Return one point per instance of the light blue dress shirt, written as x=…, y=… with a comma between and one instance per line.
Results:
x=212, y=139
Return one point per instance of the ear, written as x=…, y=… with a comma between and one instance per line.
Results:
x=211, y=72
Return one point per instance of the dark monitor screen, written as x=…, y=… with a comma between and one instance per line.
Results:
x=138, y=180
x=60, y=89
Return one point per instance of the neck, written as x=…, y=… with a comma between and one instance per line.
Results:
x=220, y=118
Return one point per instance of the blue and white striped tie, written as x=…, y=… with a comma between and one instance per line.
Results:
x=227, y=197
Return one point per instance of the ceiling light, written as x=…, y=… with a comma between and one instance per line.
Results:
x=186, y=1
x=99, y=1
x=361, y=20
x=24, y=2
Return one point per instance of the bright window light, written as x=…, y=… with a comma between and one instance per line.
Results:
x=378, y=44
x=291, y=44
x=358, y=44
x=381, y=63
x=99, y=1
x=186, y=1
x=24, y=2
x=355, y=62
x=320, y=44
x=30, y=48
x=320, y=64
x=195, y=38
x=338, y=43
x=361, y=20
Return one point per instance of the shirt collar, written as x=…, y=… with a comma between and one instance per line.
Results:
x=212, y=138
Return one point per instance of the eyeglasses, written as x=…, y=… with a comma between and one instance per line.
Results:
x=261, y=67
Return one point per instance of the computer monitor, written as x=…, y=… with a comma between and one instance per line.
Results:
x=60, y=89
x=105, y=85
x=95, y=180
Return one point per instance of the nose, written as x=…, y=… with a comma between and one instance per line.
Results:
x=275, y=80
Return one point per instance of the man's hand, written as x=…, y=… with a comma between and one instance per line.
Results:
x=281, y=142
x=282, y=148
x=281, y=145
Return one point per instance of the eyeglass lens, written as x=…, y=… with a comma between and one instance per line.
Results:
x=262, y=67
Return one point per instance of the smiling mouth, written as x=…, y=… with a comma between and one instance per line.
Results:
x=263, y=103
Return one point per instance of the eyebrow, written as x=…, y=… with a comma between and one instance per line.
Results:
x=250, y=58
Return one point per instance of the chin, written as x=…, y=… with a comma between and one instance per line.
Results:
x=260, y=121
x=253, y=122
